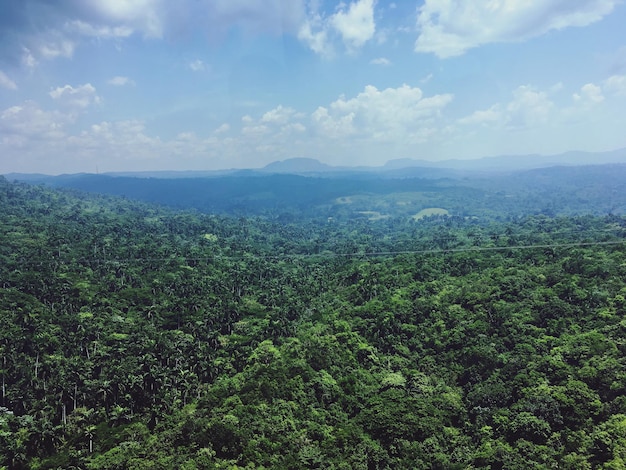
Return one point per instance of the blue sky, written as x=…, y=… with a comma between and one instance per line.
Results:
x=118, y=85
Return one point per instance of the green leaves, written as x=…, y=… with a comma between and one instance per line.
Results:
x=130, y=339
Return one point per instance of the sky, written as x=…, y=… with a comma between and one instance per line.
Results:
x=145, y=85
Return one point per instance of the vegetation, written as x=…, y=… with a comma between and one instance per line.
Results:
x=349, y=195
x=138, y=337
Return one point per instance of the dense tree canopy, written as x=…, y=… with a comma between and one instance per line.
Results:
x=136, y=337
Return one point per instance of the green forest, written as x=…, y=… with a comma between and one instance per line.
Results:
x=134, y=336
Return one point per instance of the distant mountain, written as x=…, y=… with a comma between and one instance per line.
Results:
x=450, y=168
x=515, y=162
x=397, y=168
x=297, y=165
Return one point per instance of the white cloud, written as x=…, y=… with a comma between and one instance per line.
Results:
x=124, y=143
x=528, y=108
x=384, y=115
x=222, y=129
x=449, y=28
x=28, y=60
x=380, y=61
x=589, y=94
x=197, y=65
x=314, y=33
x=616, y=84
x=27, y=125
x=145, y=16
x=293, y=127
x=103, y=31
x=55, y=31
x=52, y=50
x=80, y=97
x=186, y=136
x=382, y=36
x=255, y=131
x=491, y=115
x=280, y=115
x=333, y=127
x=120, y=81
x=556, y=87
x=47, y=45
x=6, y=82
x=52, y=30
x=356, y=25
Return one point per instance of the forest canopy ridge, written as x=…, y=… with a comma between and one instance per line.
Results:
x=238, y=350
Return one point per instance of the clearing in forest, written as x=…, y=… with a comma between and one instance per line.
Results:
x=430, y=211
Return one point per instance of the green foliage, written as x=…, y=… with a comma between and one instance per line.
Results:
x=129, y=339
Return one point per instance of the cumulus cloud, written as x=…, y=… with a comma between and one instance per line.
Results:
x=54, y=29
x=450, y=28
x=353, y=24
x=487, y=116
x=280, y=115
x=143, y=16
x=6, y=82
x=113, y=131
x=314, y=33
x=79, y=98
x=27, y=124
x=255, y=130
x=385, y=115
x=590, y=94
x=528, y=108
x=356, y=24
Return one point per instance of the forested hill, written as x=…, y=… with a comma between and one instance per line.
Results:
x=135, y=337
x=598, y=190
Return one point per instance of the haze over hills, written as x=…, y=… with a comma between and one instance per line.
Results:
x=497, y=163
x=558, y=190
x=400, y=167
x=518, y=162
x=586, y=183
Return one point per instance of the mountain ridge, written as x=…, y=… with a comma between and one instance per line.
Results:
x=399, y=167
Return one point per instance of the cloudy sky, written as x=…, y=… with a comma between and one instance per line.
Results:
x=111, y=85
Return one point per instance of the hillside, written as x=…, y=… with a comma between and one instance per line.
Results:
x=576, y=190
x=138, y=337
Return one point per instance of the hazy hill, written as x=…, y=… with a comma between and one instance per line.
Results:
x=564, y=190
x=297, y=165
x=516, y=162
x=396, y=168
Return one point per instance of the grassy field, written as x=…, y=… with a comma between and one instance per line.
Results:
x=430, y=211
